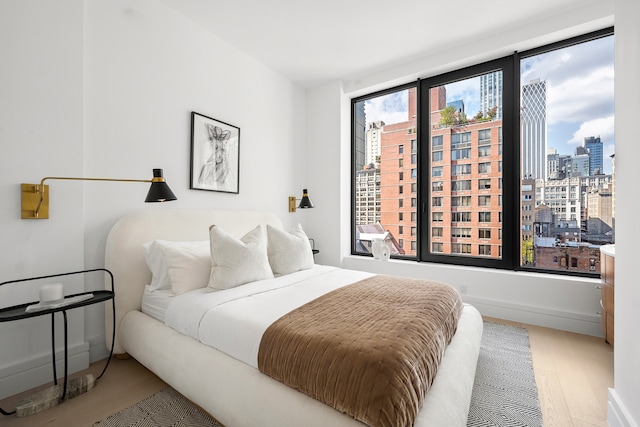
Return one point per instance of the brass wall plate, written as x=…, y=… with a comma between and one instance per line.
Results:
x=31, y=199
x=292, y=204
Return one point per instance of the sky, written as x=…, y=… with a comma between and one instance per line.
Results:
x=580, y=99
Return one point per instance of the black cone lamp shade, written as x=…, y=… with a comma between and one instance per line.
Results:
x=159, y=190
x=305, y=202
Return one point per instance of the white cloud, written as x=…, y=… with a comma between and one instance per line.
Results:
x=391, y=108
x=602, y=127
x=582, y=97
x=579, y=80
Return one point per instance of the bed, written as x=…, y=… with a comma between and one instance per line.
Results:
x=230, y=388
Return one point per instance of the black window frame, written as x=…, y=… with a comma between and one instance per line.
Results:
x=509, y=148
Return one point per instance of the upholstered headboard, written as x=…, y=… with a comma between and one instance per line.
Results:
x=125, y=256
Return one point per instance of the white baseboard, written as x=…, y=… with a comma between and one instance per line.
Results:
x=617, y=414
x=38, y=370
x=588, y=324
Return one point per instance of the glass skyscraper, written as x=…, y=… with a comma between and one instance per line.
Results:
x=594, y=145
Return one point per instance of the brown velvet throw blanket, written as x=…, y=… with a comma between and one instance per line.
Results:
x=370, y=349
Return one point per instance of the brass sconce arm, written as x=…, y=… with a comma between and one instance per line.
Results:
x=35, y=197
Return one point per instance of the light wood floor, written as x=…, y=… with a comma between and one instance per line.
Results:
x=573, y=373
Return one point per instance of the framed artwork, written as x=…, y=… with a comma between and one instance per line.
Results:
x=215, y=155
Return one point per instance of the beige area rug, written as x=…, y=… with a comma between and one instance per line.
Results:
x=166, y=408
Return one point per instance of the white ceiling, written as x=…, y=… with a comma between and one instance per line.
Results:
x=311, y=42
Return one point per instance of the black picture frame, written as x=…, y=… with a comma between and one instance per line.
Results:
x=215, y=155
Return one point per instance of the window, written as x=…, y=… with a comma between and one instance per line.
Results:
x=484, y=151
x=461, y=248
x=460, y=154
x=484, y=137
x=484, y=167
x=461, y=201
x=460, y=216
x=484, y=250
x=461, y=232
x=461, y=185
x=461, y=140
x=461, y=170
x=484, y=184
x=488, y=155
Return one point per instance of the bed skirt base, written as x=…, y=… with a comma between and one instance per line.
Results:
x=219, y=383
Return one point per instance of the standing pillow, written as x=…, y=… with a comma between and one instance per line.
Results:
x=288, y=252
x=238, y=261
x=179, y=266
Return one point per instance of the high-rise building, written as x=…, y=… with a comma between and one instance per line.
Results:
x=578, y=165
x=360, y=145
x=398, y=179
x=534, y=129
x=466, y=186
x=594, y=146
x=458, y=104
x=367, y=195
x=490, y=94
x=373, y=137
x=556, y=164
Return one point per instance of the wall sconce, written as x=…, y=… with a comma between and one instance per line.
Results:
x=35, y=197
x=305, y=202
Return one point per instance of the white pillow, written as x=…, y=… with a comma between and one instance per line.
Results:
x=179, y=266
x=288, y=252
x=238, y=261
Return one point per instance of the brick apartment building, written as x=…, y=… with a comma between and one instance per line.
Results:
x=466, y=183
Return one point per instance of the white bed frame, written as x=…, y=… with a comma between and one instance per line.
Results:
x=234, y=393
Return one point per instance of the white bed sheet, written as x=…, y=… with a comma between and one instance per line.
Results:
x=234, y=320
x=155, y=302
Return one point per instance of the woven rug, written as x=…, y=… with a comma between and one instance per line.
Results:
x=166, y=408
x=504, y=392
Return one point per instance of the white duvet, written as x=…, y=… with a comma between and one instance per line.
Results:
x=234, y=320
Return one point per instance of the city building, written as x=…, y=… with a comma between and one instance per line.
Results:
x=466, y=185
x=373, y=135
x=360, y=149
x=534, y=129
x=398, y=179
x=490, y=94
x=367, y=195
x=594, y=147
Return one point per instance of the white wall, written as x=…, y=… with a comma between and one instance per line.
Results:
x=624, y=407
x=105, y=89
x=41, y=108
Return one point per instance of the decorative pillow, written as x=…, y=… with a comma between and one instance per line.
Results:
x=179, y=266
x=238, y=261
x=288, y=252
